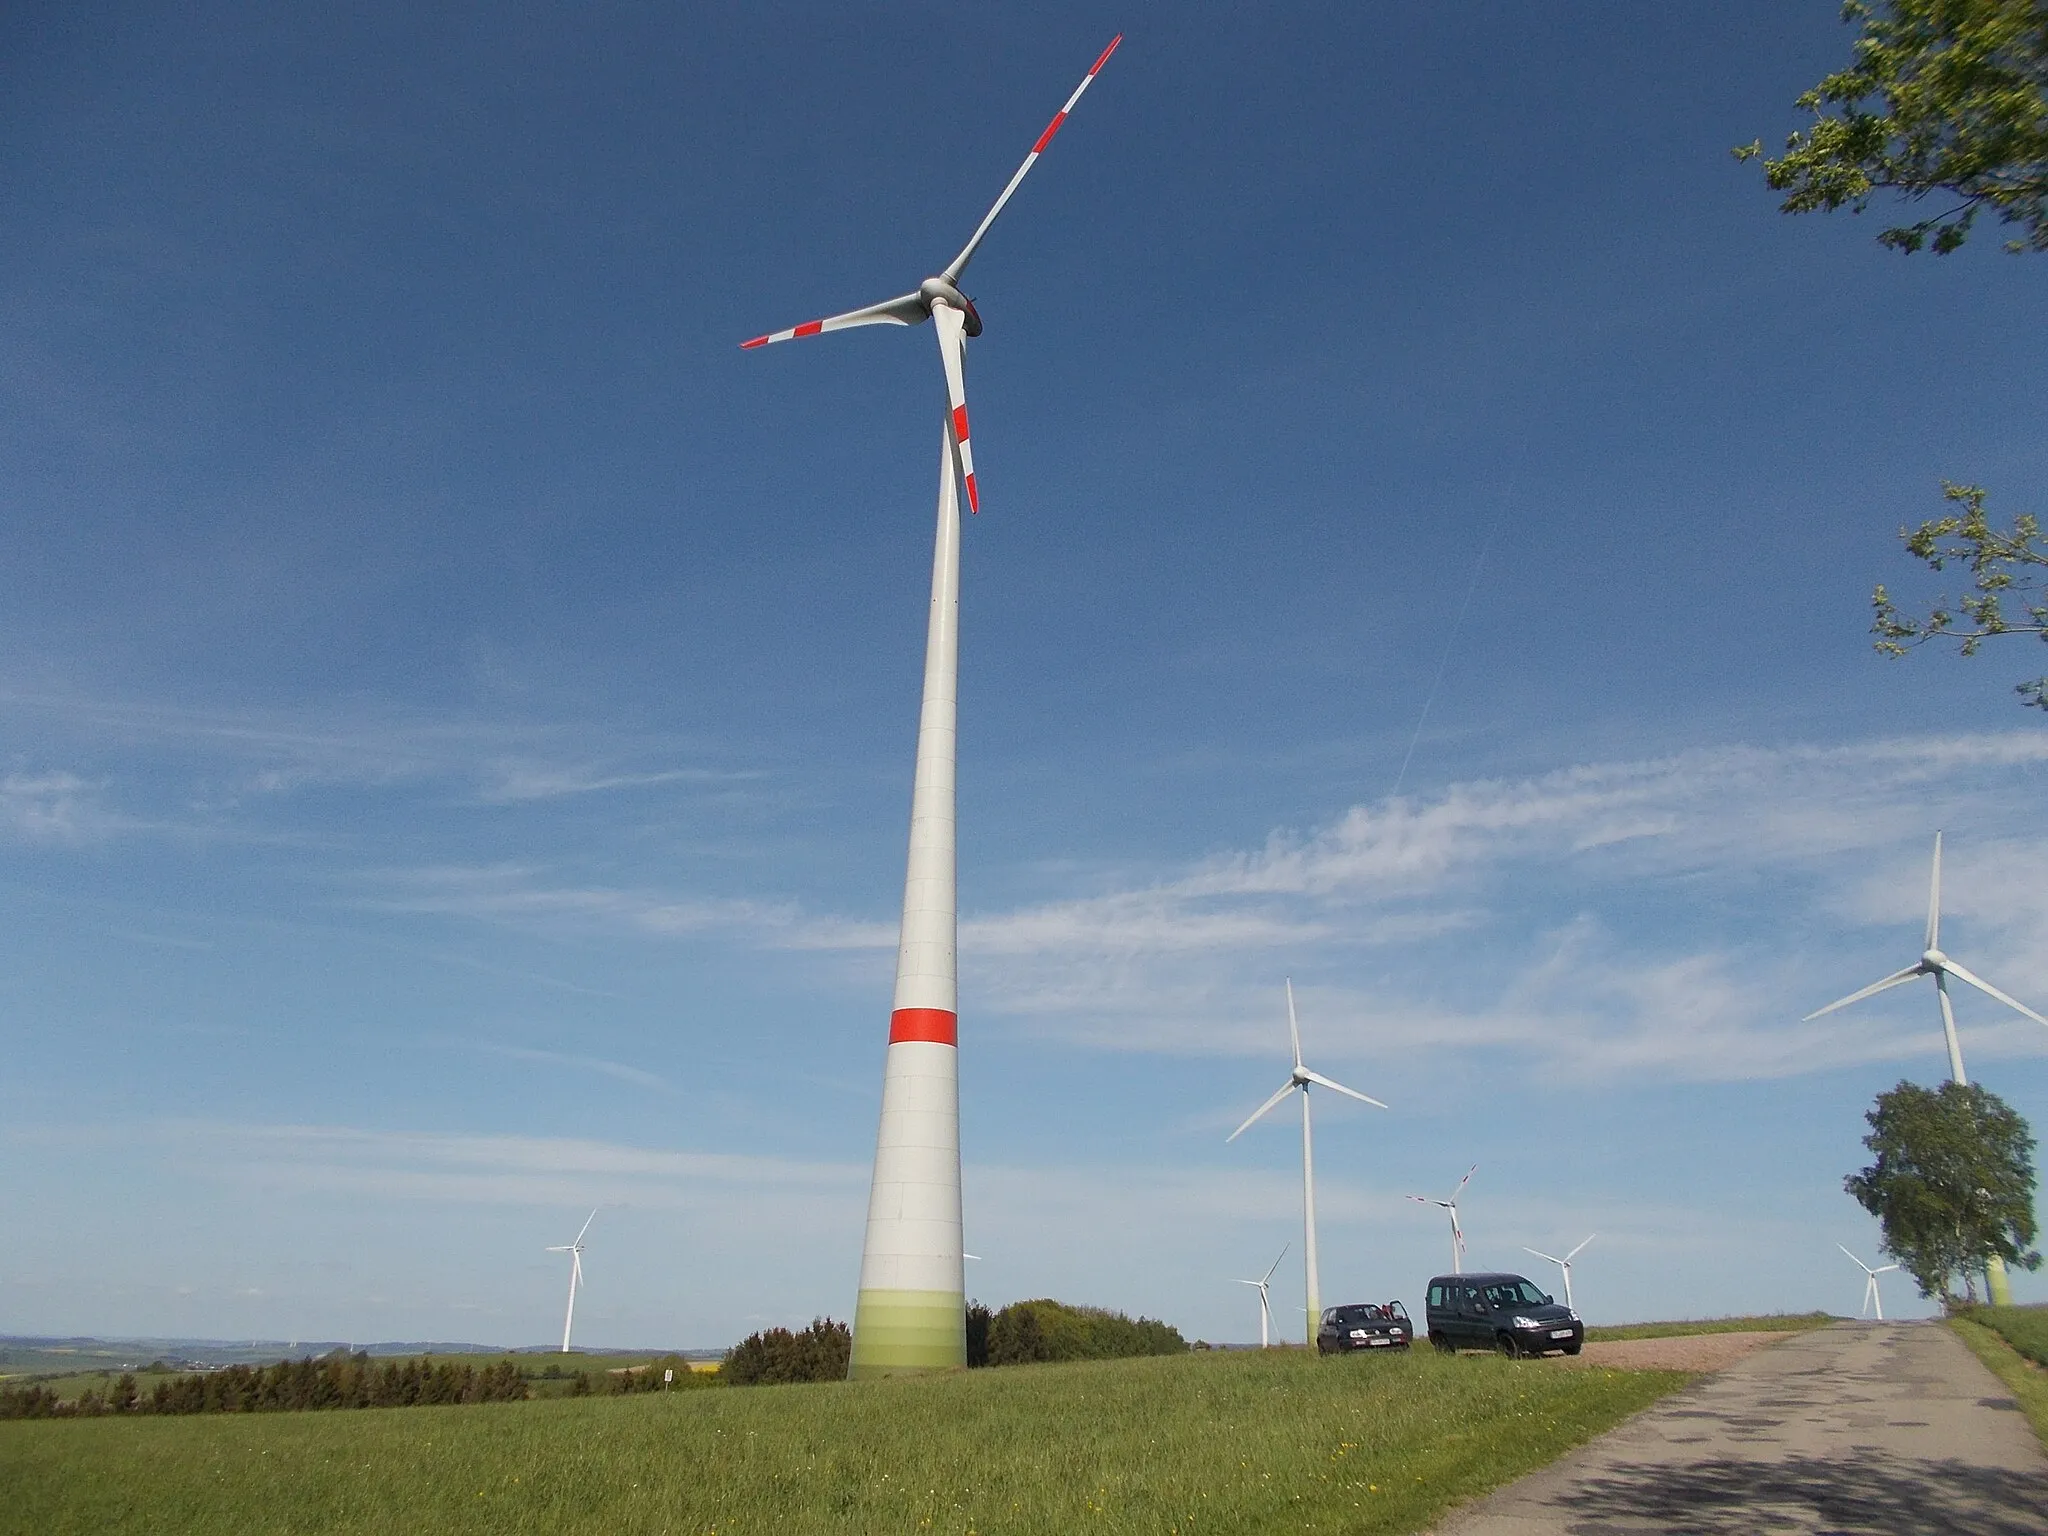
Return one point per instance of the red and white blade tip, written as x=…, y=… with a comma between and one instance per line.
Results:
x=808, y=328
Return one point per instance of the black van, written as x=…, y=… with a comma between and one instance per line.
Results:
x=1499, y=1311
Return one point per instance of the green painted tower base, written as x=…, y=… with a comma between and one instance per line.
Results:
x=899, y=1332
x=1997, y=1282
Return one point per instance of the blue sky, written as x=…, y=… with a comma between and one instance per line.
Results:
x=456, y=708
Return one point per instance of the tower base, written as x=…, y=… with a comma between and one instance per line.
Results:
x=899, y=1332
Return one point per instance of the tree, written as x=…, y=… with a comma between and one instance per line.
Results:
x=1953, y=1184
x=2003, y=566
x=822, y=1352
x=1944, y=96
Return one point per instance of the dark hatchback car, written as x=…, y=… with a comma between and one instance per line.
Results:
x=1503, y=1312
x=1364, y=1325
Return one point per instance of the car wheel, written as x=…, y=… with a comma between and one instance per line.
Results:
x=1441, y=1344
x=1571, y=1349
x=1508, y=1346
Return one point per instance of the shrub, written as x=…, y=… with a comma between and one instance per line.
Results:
x=1029, y=1331
x=821, y=1352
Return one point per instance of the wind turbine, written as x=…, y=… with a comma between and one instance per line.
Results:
x=1564, y=1263
x=1458, y=1232
x=1265, y=1301
x=1300, y=1079
x=1933, y=962
x=575, y=1252
x=1872, y=1302
x=910, y=1314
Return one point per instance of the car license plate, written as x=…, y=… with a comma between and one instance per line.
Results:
x=1377, y=1343
x=1560, y=1333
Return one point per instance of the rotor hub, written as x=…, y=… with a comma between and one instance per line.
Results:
x=938, y=290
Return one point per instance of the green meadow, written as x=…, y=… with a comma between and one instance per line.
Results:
x=1241, y=1441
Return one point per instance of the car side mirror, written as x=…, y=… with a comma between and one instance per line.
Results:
x=1549, y=1300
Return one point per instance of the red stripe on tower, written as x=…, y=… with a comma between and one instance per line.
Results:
x=931, y=1026
x=810, y=328
x=1051, y=128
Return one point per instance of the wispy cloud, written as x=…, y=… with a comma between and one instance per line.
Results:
x=47, y=807
x=517, y=893
x=499, y=1170
x=573, y=1062
x=510, y=783
x=1506, y=912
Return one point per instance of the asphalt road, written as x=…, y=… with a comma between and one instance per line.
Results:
x=1854, y=1428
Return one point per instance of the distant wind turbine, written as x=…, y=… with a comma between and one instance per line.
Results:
x=1300, y=1079
x=575, y=1252
x=1872, y=1302
x=1457, y=1232
x=1265, y=1301
x=1933, y=962
x=1564, y=1264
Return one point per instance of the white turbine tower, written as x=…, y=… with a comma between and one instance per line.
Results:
x=910, y=1314
x=1266, y=1301
x=1564, y=1263
x=1933, y=962
x=1457, y=1232
x=1300, y=1079
x=1872, y=1302
x=575, y=1252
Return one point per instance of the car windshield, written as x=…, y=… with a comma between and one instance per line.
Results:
x=1514, y=1293
x=1366, y=1314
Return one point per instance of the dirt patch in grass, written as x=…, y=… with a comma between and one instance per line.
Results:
x=1687, y=1352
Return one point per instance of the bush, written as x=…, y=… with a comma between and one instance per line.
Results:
x=821, y=1352
x=1028, y=1331
x=339, y=1380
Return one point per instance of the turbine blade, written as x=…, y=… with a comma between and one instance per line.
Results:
x=1990, y=991
x=952, y=327
x=586, y=1225
x=1463, y=1182
x=1542, y=1255
x=1934, y=900
x=907, y=309
x=1576, y=1251
x=1897, y=978
x=1884, y=1269
x=1322, y=1081
x=1856, y=1261
x=958, y=264
x=1289, y=1088
x=1293, y=1028
x=1276, y=1263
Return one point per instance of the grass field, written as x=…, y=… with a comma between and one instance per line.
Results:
x=1245, y=1441
x=2029, y=1382
x=1774, y=1322
x=2024, y=1328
